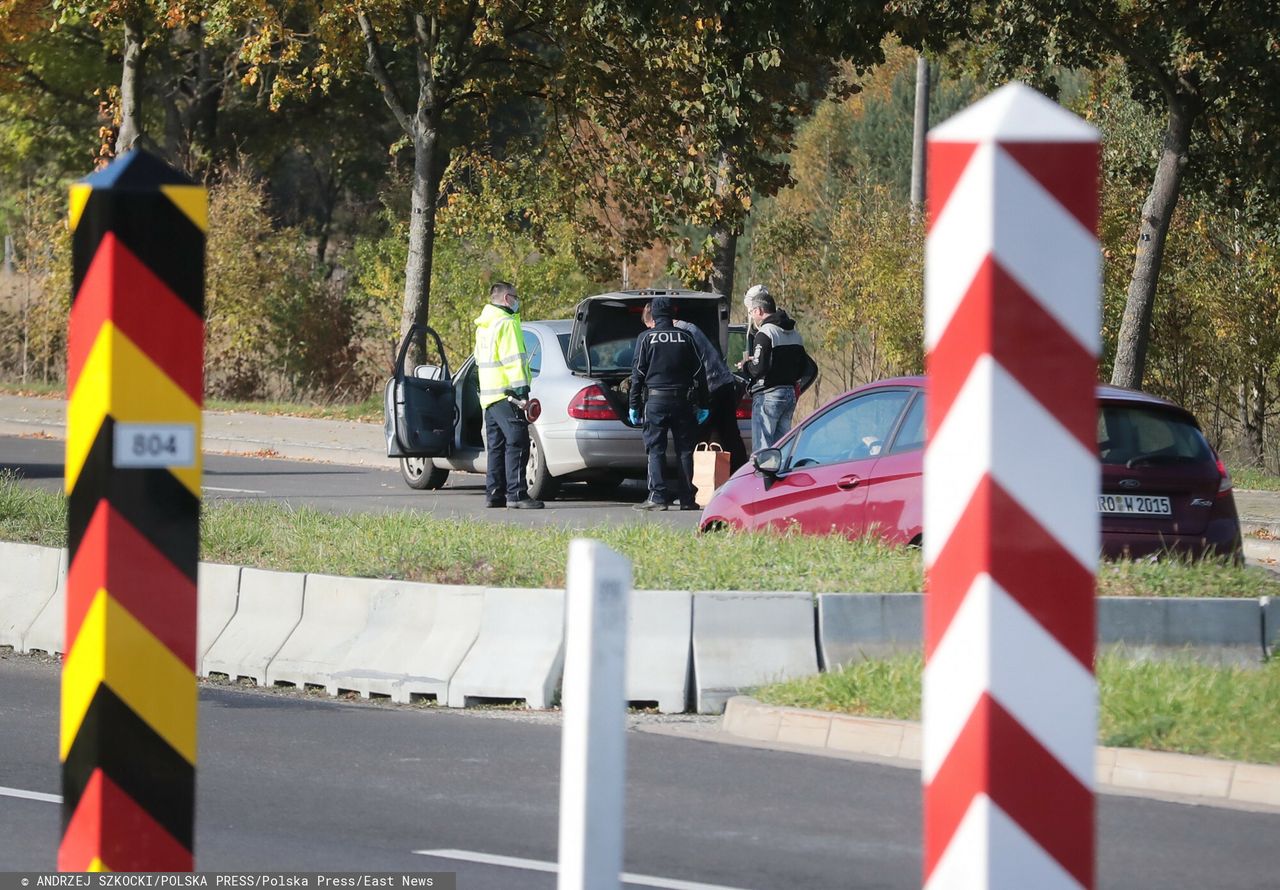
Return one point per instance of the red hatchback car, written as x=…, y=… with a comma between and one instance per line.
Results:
x=854, y=467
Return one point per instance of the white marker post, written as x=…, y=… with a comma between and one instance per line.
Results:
x=593, y=749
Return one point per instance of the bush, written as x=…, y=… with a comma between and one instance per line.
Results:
x=276, y=328
x=35, y=296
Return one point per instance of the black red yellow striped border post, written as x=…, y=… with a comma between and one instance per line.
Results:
x=134, y=382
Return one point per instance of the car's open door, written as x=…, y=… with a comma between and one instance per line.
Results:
x=420, y=408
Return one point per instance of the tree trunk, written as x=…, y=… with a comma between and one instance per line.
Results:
x=175, y=143
x=130, y=92
x=1253, y=413
x=723, y=236
x=1153, y=229
x=726, y=253
x=919, y=131
x=208, y=94
x=422, y=225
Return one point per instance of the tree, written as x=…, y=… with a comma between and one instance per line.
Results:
x=433, y=64
x=176, y=57
x=1215, y=332
x=134, y=18
x=48, y=101
x=1211, y=69
x=705, y=97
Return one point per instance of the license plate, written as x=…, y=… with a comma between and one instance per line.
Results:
x=1134, y=504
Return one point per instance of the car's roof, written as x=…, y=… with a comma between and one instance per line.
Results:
x=554, y=326
x=1123, y=394
x=1105, y=391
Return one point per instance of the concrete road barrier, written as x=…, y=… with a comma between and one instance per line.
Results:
x=219, y=585
x=857, y=626
x=742, y=640
x=659, y=635
x=432, y=665
x=519, y=653
x=48, y=633
x=269, y=607
x=334, y=612
x=1219, y=630
x=27, y=583
x=415, y=638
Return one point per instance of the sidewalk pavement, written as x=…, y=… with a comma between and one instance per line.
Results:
x=1259, y=510
x=1118, y=770
x=255, y=435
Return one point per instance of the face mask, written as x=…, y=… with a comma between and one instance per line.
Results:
x=515, y=305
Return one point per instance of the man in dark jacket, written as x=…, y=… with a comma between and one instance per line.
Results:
x=776, y=365
x=669, y=388
x=722, y=426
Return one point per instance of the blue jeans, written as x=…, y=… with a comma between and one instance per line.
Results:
x=771, y=411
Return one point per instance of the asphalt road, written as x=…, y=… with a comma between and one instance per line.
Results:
x=293, y=783
x=350, y=489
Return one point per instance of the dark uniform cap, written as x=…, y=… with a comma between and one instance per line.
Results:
x=661, y=307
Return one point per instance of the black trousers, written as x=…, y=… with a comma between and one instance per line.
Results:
x=507, y=435
x=722, y=426
x=669, y=413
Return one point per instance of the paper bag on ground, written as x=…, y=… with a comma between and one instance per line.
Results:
x=710, y=470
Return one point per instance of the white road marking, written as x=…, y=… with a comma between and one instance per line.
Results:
x=233, y=490
x=30, y=795
x=550, y=867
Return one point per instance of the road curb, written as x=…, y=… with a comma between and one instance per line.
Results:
x=1130, y=770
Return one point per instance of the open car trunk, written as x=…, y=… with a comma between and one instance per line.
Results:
x=603, y=342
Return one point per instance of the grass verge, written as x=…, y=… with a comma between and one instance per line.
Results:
x=1179, y=576
x=1177, y=705
x=33, y=388
x=369, y=410
x=417, y=547
x=1257, y=480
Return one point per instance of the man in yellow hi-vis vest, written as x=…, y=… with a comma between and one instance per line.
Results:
x=504, y=391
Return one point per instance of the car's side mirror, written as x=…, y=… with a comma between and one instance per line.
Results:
x=768, y=461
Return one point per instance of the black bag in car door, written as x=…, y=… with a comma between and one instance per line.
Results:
x=419, y=410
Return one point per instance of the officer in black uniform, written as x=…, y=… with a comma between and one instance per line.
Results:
x=669, y=387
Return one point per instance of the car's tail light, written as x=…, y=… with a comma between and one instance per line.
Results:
x=592, y=404
x=1224, y=485
x=743, y=411
x=534, y=410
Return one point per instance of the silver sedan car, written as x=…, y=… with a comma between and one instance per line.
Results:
x=578, y=398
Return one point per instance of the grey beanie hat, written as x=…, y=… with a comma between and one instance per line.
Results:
x=758, y=297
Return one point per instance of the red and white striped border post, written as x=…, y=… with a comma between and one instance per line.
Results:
x=1012, y=280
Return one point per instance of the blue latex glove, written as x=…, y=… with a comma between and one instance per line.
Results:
x=702, y=415
x=634, y=415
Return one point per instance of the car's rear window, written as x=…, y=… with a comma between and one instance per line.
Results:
x=614, y=328
x=607, y=334
x=1132, y=435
